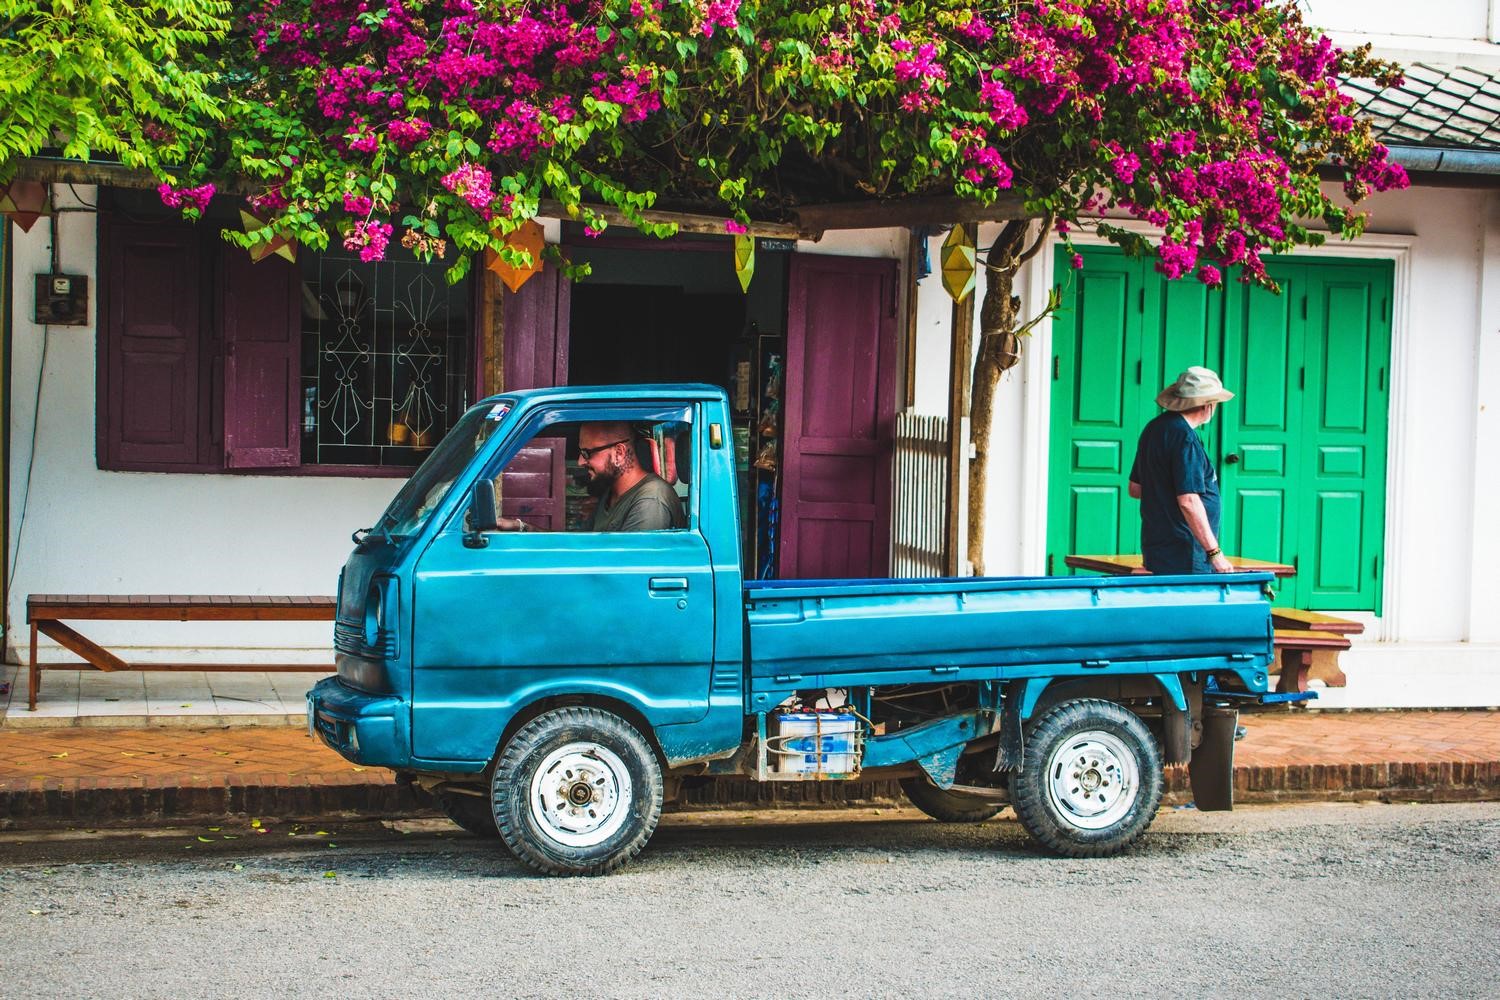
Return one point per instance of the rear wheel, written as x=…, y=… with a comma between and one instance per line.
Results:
x=576, y=791
x=1091, y=781
x=472, y=812
x=948, y=806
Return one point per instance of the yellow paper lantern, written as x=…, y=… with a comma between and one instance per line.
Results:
x=744, y=259
x=958, y=261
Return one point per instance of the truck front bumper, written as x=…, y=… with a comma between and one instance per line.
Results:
x=365, y=728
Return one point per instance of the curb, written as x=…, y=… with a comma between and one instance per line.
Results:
x=53, y=802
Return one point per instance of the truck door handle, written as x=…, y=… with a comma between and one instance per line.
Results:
x=668, y=585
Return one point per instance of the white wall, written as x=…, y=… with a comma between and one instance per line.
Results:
x=1451, y=19
x=87, y=531
x=1445, y=33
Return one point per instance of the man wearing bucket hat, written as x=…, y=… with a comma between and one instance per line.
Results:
x=1176, y=483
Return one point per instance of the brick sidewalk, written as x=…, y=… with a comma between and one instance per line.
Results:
x=116, y=774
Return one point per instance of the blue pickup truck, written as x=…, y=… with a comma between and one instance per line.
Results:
x=554, y=687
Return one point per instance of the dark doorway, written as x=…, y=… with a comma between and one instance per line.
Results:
x=652, y=333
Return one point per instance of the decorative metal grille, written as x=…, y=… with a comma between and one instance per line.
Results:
x=385, y=359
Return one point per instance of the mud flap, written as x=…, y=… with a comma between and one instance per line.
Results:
x=1211, y=771
x=1012, y=750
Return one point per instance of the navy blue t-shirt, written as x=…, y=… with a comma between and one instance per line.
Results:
x=1169, y=462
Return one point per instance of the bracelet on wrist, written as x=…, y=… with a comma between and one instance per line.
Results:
x=1212, y=552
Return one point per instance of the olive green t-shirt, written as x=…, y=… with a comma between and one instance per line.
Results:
x=649, y=505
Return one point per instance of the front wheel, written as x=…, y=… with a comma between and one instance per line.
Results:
x=1091, y=780
x=576, y=791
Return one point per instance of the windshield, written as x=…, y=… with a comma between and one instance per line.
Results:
x=427, y=487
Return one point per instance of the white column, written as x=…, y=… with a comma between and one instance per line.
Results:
x=1484, y=581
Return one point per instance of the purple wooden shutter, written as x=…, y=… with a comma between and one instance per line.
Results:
x=151, y=379
x=534, y=486
x=840, y=411
x=262, y=362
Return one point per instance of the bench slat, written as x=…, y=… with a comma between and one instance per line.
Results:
x=1315, y=621
x=1310, y=639
x=179, y=607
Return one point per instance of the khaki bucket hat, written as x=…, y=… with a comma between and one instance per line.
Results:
x=1193, y=388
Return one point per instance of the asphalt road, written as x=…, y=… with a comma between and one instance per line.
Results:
x=1321, y=900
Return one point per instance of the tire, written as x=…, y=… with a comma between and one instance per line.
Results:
x=472, y=812
x=949, y=807
x=1071, y=812
x=576, y=791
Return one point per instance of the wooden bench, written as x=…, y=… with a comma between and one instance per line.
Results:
x=1308, y=644
x=47, y=612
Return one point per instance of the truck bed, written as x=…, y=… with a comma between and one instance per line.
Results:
x=815, y=633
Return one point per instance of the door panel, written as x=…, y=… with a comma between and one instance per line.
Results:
x=1338, y=549
x=1259, y=519
x=839, y=420
x=535, y=356
x=1095, y=406
x=502, y=623
x=1344, y=446
x=1259, y=432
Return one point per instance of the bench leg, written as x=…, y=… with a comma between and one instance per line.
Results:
x=34, y=675
x=1295, y=665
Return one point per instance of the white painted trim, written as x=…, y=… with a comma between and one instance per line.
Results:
x=1395, y=247
x=1493, y=21
x=1484, y=547
x=1036, y=417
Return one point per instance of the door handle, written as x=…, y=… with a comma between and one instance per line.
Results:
x=1233, y=458
x=668, y=585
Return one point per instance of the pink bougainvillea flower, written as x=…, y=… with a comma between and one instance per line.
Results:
x=369, y=239
x=474, y=185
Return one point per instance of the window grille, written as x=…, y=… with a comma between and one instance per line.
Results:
x=385, y=359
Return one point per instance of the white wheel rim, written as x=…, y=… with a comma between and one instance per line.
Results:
x=581, y=794
x=1093, y=780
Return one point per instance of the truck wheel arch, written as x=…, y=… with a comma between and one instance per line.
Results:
x=1052, y=691
x=623, y=709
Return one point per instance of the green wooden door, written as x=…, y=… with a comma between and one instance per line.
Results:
x=1098, y=335
x=1259, y=432
x=1344, y=437
x=1300, y=450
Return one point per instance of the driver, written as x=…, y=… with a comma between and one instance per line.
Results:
x=630, y=498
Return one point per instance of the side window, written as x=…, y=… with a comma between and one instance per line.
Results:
x=615, y=475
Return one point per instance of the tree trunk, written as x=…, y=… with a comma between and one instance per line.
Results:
x=999, y=350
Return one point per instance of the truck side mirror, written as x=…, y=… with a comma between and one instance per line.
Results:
x=483, y=515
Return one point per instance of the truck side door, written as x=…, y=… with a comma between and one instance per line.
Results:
x=625, y=615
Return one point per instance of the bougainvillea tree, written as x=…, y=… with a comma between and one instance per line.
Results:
x=439, y=126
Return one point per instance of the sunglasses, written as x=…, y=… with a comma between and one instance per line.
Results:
x=588, y=453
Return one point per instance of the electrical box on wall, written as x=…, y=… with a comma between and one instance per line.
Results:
x=62, y=300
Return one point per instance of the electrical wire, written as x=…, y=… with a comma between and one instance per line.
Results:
x=36, y=420
x=79, y=198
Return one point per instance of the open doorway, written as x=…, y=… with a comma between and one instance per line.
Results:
x=670, y=314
